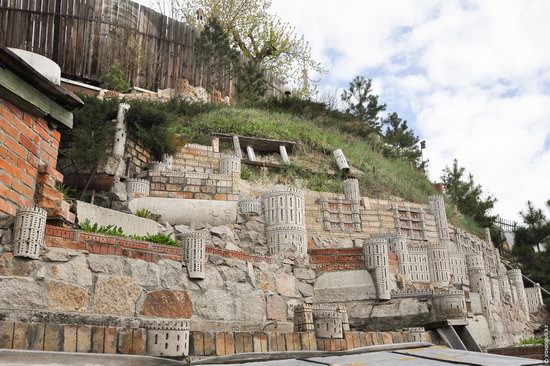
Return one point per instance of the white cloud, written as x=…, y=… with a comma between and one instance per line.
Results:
x=474, y=74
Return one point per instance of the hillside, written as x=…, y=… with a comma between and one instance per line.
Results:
x=313, y=163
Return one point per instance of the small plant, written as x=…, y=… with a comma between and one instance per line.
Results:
x=145, y=213
x=113, y=79
x=532, y=341
x=158, y=239
x=246, y=173
x=64, y=190
x=113, y=230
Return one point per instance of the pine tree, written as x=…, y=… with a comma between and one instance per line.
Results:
x=467, y=195
x=362, y=103
x=215, y=53
x=251, y=86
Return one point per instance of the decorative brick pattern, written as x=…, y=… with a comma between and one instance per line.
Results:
x=150, y=252
x=337, y=259
x=410, y=222
x=25, y=142
x=340, y=215
x=202, y=186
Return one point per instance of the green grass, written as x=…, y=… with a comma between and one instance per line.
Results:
x=383, y=178
x=532, y=341
x=313, y=163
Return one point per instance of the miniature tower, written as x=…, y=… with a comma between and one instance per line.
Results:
x=303, y=318
x=401, y=248
x=479, y=282
x=137, y=188
x=29, y=229
x=341, y=161
x=341, y=309
x=328, y=322
x=375, y=251
x=119, y=142
x=167, y=337
x=437, y=207
x=194, y=246
x=516, y=279
x=230, y=165
x=418, y=334
x=450, y=304
x=438, y=259
x=285, y=221
x=504, y=284
x=351, y=190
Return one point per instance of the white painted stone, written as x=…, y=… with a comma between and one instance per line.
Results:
x=130, y=224
x=40, y=63
x=250, y=153
x=284, y=154
x=341, y=161
x=344, y=286
x=179, y=211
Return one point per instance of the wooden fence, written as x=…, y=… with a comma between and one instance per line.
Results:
x=85, y=37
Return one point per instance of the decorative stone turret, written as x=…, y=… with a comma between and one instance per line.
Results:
x=250, y=206
x=450, y=304
x=438, y=259
x=375, y=252
x=534, y=298
x=303, y=318
x=479, y=282
x=504, y=284
x=400, y=246
x=137, y=188
x=285, y=221
x=230, y=164
x=351, y=190
x=516, y=279
x=121, y=132
x=167, y=337
x=344, y=315
x=29, y=228
x=418, y=334
x=194, y=247
x=341, y=161
x=168, y=161
x=328, y=322
x=437, y=208
x=157, y=166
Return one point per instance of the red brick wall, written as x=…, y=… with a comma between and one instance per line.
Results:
x=25, y=141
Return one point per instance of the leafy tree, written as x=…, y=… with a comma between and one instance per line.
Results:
x=467, y=195
x=260, y=36
x=215, y=52
x=534, y=231
x=362, y=103
x=251, y=86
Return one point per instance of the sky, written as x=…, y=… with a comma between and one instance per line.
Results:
x=471, y=77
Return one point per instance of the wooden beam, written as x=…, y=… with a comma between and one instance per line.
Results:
x=19, y=92
x=259, y=144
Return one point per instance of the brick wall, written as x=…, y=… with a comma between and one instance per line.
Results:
x=25, y=143
x=202, y=186
x=110, y=245
x=197, y=158
x=138, y=154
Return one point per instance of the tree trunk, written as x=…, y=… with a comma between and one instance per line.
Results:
x=88, y=181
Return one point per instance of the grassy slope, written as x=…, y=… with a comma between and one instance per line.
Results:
x=383, y=177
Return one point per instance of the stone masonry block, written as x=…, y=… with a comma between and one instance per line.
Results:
x=53, y=338
x=6, y=334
